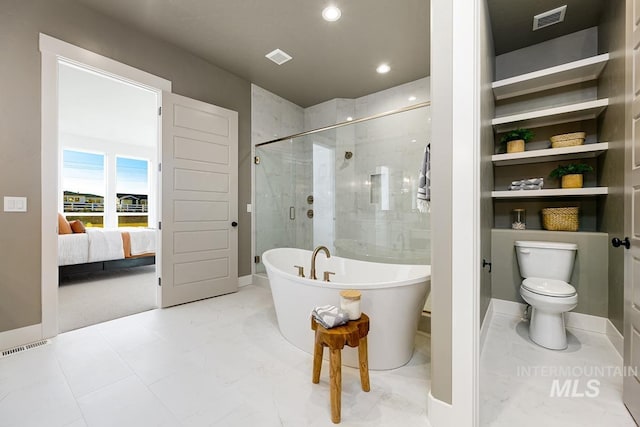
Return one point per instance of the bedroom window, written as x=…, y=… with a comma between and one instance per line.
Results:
x=132, y=192
x=83, y=187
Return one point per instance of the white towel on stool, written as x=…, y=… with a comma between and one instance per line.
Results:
x=330, y=316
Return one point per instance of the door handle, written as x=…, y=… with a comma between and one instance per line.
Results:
x=617, y=242
x=234, y=224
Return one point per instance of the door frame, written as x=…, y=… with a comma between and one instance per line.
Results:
x=52, y=50
x=455, y=276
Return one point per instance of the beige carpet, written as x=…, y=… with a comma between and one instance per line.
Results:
x=93, y=298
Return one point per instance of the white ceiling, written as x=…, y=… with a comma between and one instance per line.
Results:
x=96, y=106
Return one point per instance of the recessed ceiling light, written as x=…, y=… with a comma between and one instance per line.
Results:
x=331, y=13
x=349, y=118
x=412, y=98
x=383, y=68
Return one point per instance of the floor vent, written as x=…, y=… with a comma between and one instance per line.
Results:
x=549, y=17
x=21, y=348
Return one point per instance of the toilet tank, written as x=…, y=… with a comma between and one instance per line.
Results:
x=547, y=260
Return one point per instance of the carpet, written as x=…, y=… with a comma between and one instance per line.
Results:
x=88, y=299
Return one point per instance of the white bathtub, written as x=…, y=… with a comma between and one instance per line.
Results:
x=393, y=296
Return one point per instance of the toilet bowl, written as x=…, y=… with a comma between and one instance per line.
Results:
x=546, y=268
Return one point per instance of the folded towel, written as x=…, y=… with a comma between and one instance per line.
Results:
x=330, y=316
x=530, y=181
x=526, y=187
x=533, y=181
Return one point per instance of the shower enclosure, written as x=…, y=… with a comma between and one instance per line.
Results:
x=351, y=187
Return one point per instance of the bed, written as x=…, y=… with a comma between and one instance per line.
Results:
x=105, y=249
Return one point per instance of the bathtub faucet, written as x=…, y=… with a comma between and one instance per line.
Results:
x=313, y=260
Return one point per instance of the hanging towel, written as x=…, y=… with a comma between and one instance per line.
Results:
x=330, y=316
x=424, y=183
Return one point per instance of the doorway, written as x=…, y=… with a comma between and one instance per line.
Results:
x=107, y=191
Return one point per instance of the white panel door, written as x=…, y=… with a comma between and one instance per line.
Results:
x=199, y=200
x=631, y=392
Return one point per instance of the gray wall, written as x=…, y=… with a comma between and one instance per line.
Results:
x=487, y=149
x=612, y=129
x=20, y=25
x=589, y=272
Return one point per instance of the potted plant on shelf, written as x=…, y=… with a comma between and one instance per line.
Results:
x=571, y=174
x=516, y=139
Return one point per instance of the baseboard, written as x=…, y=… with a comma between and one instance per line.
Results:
x=245, y=280
x=586, y=322
x=440, y=413
x=20, y=336
x=572, y=320
x=485, y=325
x=615, y=337
x=261, y=279
x=507, y=308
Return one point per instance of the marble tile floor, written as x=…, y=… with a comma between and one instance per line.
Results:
x=516, y=380
x=215, y=362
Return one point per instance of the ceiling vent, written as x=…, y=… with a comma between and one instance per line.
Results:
x=549, y=17
x=278, y=56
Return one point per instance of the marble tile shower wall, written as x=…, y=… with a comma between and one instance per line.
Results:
x=390, y=230
x=396, y=143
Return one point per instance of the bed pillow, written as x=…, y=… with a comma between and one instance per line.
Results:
x=77, y=226
x=63, y=225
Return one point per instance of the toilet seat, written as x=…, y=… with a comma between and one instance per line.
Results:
x=548, y=287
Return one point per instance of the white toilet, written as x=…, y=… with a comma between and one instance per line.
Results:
x=546, y=268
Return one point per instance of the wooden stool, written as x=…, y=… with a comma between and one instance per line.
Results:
x=353, y=334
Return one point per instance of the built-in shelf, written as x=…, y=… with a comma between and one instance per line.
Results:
x=550, y=192
x=550, y=154
x=551, y=116
x=537, y=232
x=549, y=78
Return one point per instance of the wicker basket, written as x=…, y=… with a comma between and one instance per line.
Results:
x=568, y=139
x=560, y=219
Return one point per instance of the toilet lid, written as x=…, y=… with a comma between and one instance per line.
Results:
x=550, y=287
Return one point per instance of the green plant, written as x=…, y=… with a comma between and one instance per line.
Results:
x=572, y=168
x=513, y=135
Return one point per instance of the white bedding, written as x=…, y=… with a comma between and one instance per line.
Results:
x=98, y=244
x=105, y=245
x=73, y=249
x=143, y=240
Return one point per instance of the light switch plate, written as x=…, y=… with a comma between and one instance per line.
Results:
x=248, y=207
x=15, y=204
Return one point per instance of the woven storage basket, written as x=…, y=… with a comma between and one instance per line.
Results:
x=560, y=219
x=568, y=139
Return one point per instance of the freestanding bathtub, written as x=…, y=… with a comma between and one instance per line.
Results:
x=393, y=296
